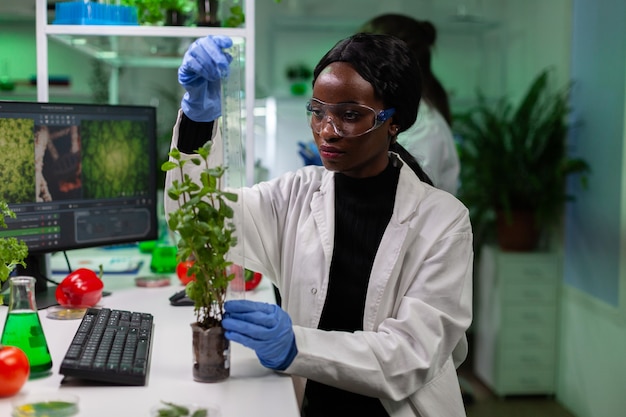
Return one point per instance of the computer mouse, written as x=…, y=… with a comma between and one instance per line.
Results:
x=180, y=299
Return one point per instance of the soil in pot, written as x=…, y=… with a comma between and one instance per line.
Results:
x=211, y=354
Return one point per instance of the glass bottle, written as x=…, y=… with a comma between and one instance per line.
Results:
x=23, y=327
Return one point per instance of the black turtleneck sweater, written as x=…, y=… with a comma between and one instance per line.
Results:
x=363, y=207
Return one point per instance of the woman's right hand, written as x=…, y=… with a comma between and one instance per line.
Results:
x=204, y=65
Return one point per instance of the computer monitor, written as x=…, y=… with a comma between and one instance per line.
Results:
x=76, y=176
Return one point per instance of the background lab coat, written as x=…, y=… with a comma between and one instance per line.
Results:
x=431, y=143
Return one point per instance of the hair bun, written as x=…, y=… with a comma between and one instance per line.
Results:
x=429, y=30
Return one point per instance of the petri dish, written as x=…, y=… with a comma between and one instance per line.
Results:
x=65, y=313
x=46, y=405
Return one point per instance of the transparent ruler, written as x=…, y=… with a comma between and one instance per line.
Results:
x=233, y=125
x=233, y=120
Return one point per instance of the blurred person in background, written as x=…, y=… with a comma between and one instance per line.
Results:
x=430, y=139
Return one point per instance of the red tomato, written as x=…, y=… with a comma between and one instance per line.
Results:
x=249, y=280
x=14, y=370
x=253, y=279
x=80, y=289
x=181, y=271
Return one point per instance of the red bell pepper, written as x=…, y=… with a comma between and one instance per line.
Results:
x=80, y=289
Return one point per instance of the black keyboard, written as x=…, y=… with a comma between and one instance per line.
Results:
x=110, y=346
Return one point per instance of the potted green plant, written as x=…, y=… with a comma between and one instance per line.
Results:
x=12, y=251
x=220, y=13
x=205, y=231
x=160, y=12
x=514, y=163
x=179, y=12
x=298, y=75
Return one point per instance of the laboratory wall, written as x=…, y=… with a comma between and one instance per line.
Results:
x=18, y=63
x=592, y=373
x=492, y=46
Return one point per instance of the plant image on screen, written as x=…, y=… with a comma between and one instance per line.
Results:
x=114, y=158
x=57, y=157
x=17, y=183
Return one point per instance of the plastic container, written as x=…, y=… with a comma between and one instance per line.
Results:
x=164, y=259
x=90, y=13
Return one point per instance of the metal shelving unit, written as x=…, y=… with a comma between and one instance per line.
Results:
x=127, y=46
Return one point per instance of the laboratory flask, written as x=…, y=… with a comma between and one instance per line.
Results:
x=22, y=327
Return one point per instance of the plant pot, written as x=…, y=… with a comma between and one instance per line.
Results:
x=299, y=87
x=211, y=354
x=517, y=231
x=175, y=18
x=207, y=13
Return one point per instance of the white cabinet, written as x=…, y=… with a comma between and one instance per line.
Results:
x=516, y=321
x=115, y=46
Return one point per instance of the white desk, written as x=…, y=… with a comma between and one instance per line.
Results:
x=251, y=390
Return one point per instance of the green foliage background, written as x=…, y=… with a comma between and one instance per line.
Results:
x=114, y=159
x=17, y=167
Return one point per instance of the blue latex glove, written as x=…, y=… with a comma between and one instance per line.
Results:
x=265, y=328
x=309, y=153
x=204, y=65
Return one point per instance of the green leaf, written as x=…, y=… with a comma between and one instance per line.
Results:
x=201, y=412
x=175, y=153
x=12, y=250
x=168, y=165
x=180, y=410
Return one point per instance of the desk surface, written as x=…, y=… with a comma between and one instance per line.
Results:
x=251, y=390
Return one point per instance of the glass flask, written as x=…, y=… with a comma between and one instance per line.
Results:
x=23, y=327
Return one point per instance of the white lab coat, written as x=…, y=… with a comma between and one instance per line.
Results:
x=419, y=298
x=431, y=143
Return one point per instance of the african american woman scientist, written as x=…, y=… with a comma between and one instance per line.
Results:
x=374, y=265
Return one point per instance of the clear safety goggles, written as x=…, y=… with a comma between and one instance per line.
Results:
x=347, y=119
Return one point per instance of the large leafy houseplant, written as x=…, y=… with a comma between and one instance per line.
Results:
x=12, y=251
x=515, y=159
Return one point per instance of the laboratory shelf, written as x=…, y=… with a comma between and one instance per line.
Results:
x=147, y=47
